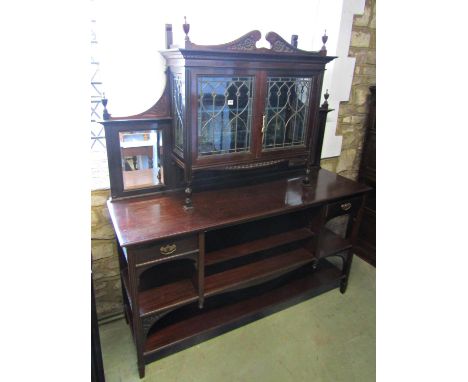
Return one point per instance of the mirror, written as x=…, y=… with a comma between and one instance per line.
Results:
x=141, y=154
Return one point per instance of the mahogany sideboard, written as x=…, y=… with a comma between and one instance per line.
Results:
x=224, y=220
x=242, y=253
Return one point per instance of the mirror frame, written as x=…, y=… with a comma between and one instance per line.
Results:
x=114, y=155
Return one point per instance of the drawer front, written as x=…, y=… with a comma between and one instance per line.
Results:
x=344, y=206
x=164, y=249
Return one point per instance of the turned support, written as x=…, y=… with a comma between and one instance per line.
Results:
x=306, y=180
x=346, y=269
x=188, y=196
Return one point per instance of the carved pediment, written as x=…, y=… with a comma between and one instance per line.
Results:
x=278, y=44
x=247, y=43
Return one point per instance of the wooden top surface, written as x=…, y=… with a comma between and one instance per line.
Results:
x=149, y=218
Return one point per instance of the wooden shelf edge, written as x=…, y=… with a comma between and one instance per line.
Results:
x=150, y=308
x=258, y=245
x=233, y=316
x=149, y=305
x=256, y=272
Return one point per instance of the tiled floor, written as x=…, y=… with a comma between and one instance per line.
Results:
x=328, y=338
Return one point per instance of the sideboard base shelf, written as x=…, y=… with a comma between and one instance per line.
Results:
x=225, y=312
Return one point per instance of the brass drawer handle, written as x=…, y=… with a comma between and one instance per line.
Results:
x=168, y=249
x=346, y=206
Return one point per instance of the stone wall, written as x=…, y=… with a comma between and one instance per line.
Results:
x=105, y=263
x=352, y=114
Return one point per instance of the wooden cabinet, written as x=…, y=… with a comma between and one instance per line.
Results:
x=235, y=228
x=240, y=254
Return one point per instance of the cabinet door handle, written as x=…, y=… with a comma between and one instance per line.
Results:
x=263, y=123
x=346, y=206
x=168, y=249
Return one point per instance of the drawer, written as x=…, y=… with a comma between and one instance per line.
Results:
x=164, y=249
x=344, y=206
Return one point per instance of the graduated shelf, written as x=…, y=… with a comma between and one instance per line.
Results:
x=256, y=272
x=224, y=313
x=254, y=246
x=183, y=292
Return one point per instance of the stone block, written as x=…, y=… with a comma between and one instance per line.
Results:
x=346, y=160
x=350, y=174
x=352, y=139
x=108, y=293
x=368, y=70
x=107, y=267
x=360, y=95
x=363, y=20
x=359, y=79
x=347, y=129
x=99, y=197
x=358, y=119
x=360, y=55
x=329, y=164
x=370, y=57
x=105, y=308
x=103, y=248
x=101, y=227
x=347, y=119
x=360, y=39
x=373, y=17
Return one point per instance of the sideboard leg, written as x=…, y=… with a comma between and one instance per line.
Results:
x=346, y=270
x=141, y=370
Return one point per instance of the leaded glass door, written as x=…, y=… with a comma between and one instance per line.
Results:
x=286, y=116
x=225, y=115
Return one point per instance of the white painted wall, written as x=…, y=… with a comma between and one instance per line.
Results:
x=130, y=34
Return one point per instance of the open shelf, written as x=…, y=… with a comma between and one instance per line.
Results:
x=331, y=244
x=167, y=296
x=163, y=297
x=229, y=311
x=258, y=245
x=183, y=292
x=256, y=272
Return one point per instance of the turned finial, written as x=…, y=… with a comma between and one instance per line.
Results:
x=168, y=36
x=324, y=40
x=105, y=113
x=294, y=38
x=325, y=103
x=186, y=29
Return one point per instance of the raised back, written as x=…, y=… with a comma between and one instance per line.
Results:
x=230, y=114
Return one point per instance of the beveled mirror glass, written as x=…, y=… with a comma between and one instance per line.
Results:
x=141, y=155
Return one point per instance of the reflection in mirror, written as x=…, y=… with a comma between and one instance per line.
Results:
x=141, y=154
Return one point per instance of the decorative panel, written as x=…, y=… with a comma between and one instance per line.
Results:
x=178, y=109
x=286, y=112
x=224, y=114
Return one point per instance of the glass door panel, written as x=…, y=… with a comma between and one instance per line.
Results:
x=224, y=114
x=286, y=112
